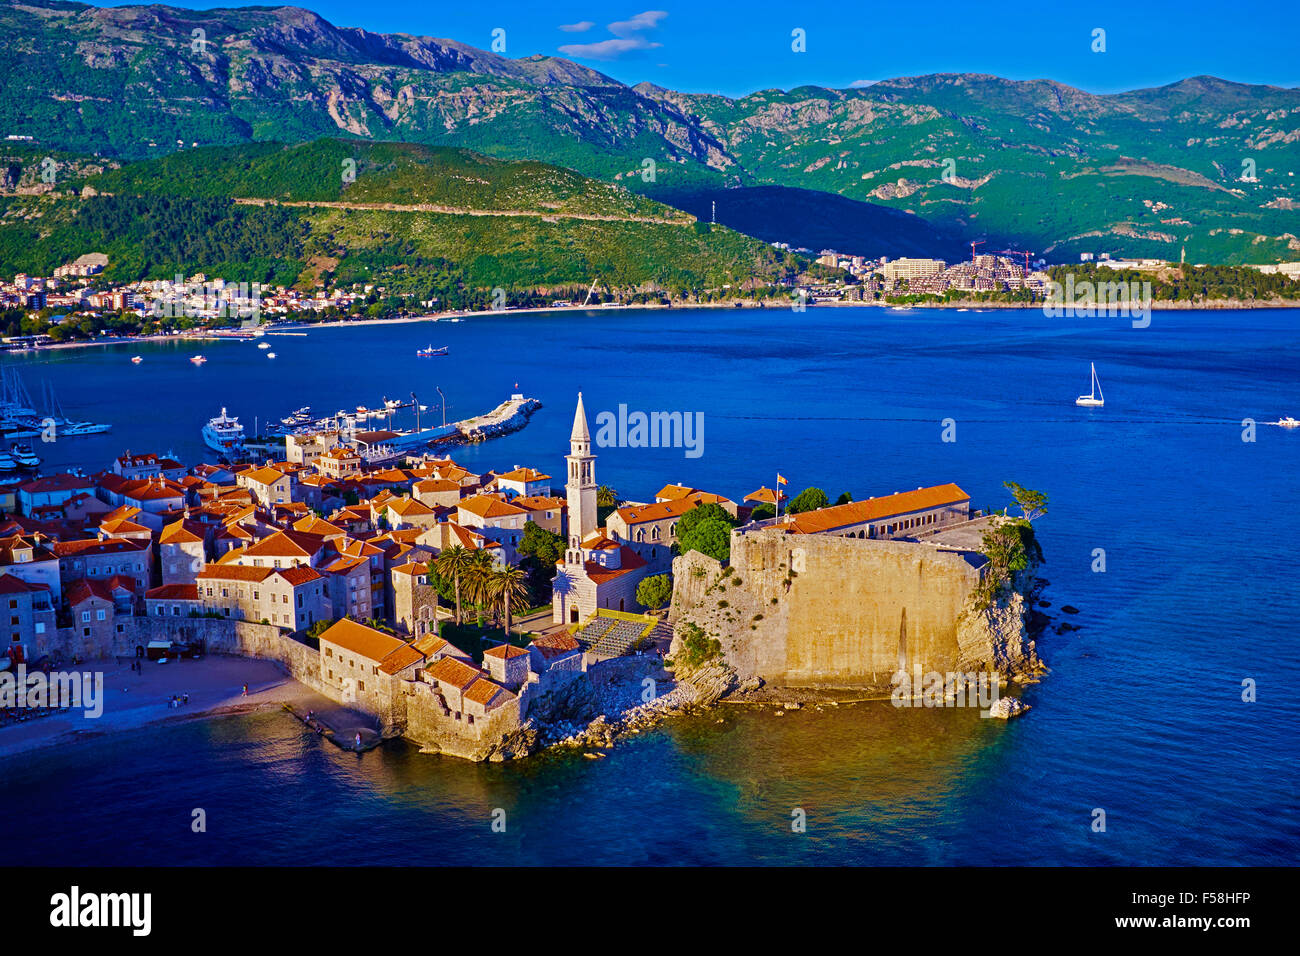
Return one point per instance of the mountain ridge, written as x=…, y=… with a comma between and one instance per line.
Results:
x=1035, y=163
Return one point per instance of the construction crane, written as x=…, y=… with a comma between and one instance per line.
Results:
x=972, y=248
x=1017, y=252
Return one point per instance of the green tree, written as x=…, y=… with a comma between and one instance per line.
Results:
x=844, y=498
x=509, y=587
x=712, y=536
x=453, y=563
x=810, y=499
x=764, y=510
x=479, y=582
x=655, y=591
x=539, y=551
x=700, y=513
x=1011, y=547
x=1032, y=503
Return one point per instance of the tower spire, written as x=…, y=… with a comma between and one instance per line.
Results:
x=580, y=488
x=580, y=432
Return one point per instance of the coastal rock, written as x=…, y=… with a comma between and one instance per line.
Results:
x=1004, y=708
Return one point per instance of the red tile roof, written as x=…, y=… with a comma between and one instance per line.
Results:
x=857, y=512
x=449, y=670
x=174, y=592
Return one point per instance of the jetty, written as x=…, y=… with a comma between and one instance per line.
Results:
x=384, y=445
x=510, y=416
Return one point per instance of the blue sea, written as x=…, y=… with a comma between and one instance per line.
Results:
x=1141, y=715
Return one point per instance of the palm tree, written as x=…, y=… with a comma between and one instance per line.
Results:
x=510, y=584
x=478, y=579
x=452, y=563
x=607, y=497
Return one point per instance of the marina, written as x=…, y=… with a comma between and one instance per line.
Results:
x=19, y=418
x=384, y=445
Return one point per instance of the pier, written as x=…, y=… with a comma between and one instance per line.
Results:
x=510, y=416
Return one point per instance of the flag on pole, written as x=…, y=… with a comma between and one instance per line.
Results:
x=780, y=480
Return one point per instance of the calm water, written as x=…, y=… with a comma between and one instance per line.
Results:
x=1141, y=715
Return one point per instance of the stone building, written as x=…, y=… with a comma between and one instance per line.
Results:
x=99, y=560
x=172, y=600
x=364, y=666
x=292, y=598
x=415, y=600
x=906, y=513
x=182, y=551
x=28, y=611
x=101, y=609
x=509, y=666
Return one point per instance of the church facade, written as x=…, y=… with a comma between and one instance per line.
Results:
x=597, y=571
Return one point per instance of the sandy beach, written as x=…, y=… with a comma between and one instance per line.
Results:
x=131, y=700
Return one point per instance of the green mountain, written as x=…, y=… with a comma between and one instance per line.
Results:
x=1203, y=165
x=423, y=221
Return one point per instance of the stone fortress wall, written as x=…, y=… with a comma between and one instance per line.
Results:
x=828, y=611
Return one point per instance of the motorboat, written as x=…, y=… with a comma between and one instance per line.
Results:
x=24, y=457
x=223, y=433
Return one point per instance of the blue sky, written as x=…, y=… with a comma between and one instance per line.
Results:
x=738, y=46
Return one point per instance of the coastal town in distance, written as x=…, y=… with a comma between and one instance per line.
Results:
x=442, y=446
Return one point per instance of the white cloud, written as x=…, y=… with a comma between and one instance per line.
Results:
x=862, y=84
x=642, y=21
x=582, y=26
x=627, y=38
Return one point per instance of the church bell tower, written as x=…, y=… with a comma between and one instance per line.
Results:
x=580, y=486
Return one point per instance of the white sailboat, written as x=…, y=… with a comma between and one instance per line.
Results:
x=1094, y=399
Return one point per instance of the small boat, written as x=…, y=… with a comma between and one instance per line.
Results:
x=24, y=457
x=431, y=351
x=270, y=355
x=1094, y=399
x=7, y=463
x=1288, y=422
x=69, y=429
x=263, y=345
x=198, y=359
x=136, y=360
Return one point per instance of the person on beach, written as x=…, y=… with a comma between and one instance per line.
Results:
x=358, y=740
x=245, y=690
